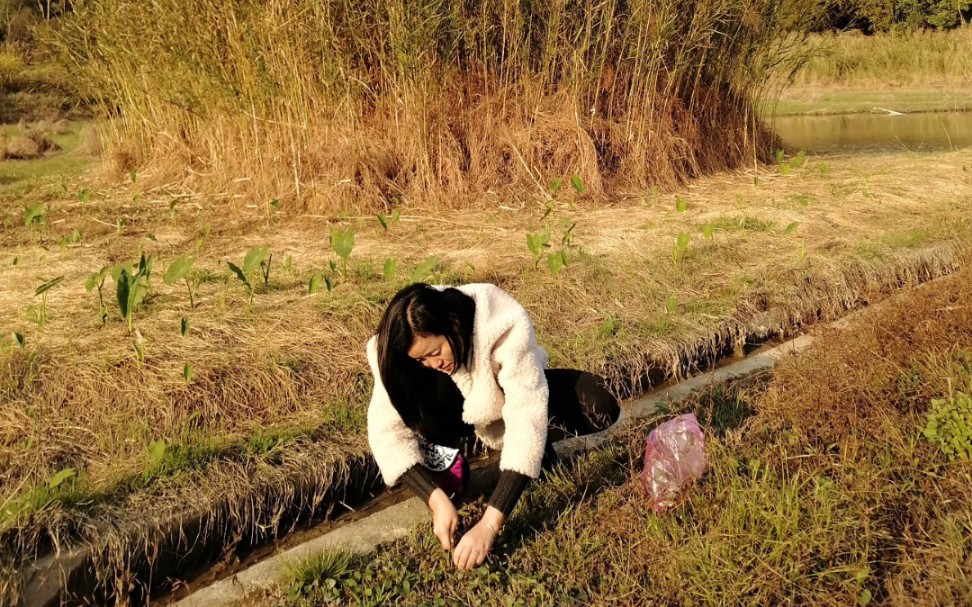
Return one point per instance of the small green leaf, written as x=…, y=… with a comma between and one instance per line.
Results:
x=314, y=285
x=756, y=181
x=670, y=304
x=388, y=272
x=396, y=214
x=423, y=270
x=239, y=273
x=342, y=241
x=556, y=262
x=680, y=205
x=708, y=231
x=184, y=326
x=683, y=241
x=791, y=228
x=84, y=195
x=287, y=262
x=60, y=477
x=799, y=159
x=19, y=338
x=132, y=175
x=178, y=269
x=383, y=221
x=187, y=372
x=16, y=260
x=253, y=258
x=33, y=213
x=275, y=204
x=865, y=598
x=577, y=184
x=328, y=283
x=555, y=185
x=48, y=285
x=785, y=168
x=779, y=156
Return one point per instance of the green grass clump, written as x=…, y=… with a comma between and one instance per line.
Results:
x=949, y=425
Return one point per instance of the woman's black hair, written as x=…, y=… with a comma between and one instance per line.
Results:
x=415, y=311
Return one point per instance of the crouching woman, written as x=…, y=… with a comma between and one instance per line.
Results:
x=452, y=363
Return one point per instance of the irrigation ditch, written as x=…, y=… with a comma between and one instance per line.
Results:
x=139, y=560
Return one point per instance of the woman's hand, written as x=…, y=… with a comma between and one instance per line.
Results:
x=477, y=542
x=445, y=519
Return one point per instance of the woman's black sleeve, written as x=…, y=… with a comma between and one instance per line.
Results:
x=508, y=490
x=419, y=480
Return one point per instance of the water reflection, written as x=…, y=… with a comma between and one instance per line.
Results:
x=876, y=132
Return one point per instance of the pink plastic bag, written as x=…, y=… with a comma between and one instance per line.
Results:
x=674, y=457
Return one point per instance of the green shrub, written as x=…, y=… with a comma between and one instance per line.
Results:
x=949, y=424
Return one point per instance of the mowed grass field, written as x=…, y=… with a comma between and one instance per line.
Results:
x=828, y=483
x=102, y=425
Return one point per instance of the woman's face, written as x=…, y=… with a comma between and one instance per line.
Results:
x=434, y=352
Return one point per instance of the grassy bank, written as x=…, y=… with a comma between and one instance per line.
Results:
x=906, y=72
x=354, y=105
x=822, y=488
x=100, y=425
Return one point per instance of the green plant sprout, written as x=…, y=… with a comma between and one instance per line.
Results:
x=180, y=269
x=385, y=220
x=42, y=291
x=132, y=287
x=681, y=246
x=342, y=242
x=389, y=269
x=34, y=214
x=97, y=280
x=254, y=258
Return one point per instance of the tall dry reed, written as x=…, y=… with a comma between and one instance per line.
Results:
x=344, y=104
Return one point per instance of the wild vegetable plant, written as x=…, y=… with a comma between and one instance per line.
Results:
x=181, y=269
x=42, y=291
x=34, y=214
x=342, y=242
x=385, y=221
x=254, y=258
x=131, y=287
x=97, y=280
x=681, y=246
x=949, y=425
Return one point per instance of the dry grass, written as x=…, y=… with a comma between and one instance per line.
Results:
x=350, y=106
x=820, y=490
x=289, y=368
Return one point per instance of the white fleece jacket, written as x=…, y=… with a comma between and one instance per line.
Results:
x=504, y=386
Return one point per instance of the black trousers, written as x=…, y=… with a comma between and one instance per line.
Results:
x=579, y=404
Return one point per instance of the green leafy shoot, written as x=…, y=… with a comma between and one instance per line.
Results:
x=556, y=262
x=42, y=292
x=60, y=477
x=791, y=228
x=681, y=205
x=779, y=156
x=342, y=242
x=577, y=183
x=97, y=280
x=538, y=242
x=314, y=285
x=555, y=186
x=424, y=269
x=34, y=214
x=671, y=304
x=180, y=269
x=20, y=339
x=184, y=326
x=187, y=372
x=132, y=287
x=389, y=269
x=681, y=246
x=708, y=231
x=287, y=262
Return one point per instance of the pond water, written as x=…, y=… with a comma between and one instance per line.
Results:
x=856, y=133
